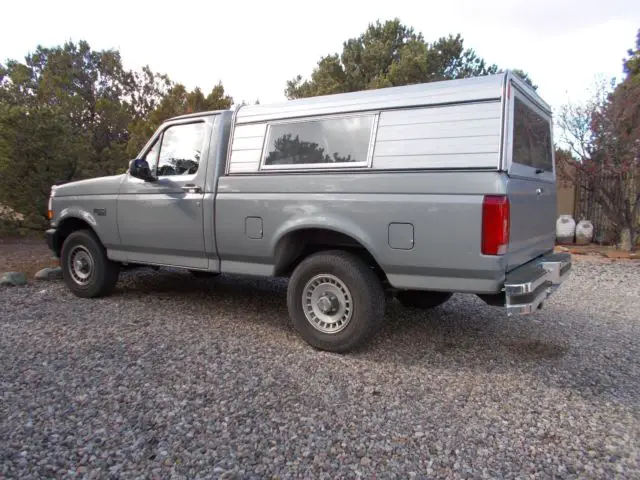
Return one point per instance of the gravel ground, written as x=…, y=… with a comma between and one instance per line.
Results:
x=170, y=378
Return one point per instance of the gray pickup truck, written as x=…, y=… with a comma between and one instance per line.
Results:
x=413, y=193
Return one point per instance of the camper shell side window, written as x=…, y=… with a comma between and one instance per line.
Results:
x=343, y=141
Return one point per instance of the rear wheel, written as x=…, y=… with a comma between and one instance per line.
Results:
x=422, y=299
x=335, y=300
x=86, y=270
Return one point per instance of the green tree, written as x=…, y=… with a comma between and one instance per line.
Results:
x=176, y=101
x=390, y=54
x=88, y=87
x=37, y=149
x=70, y=112
x=632, y=62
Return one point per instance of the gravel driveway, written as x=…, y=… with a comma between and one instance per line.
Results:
x=174, y=377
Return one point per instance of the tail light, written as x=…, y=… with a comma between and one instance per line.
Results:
x=495, y=224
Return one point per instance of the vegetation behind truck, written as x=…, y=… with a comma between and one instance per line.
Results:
x=418, y=191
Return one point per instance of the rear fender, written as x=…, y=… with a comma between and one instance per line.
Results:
x=323, y=222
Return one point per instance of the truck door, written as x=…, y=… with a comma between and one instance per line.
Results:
x=162, y=222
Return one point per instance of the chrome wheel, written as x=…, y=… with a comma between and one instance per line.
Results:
x=327, y=303
x=81, y=265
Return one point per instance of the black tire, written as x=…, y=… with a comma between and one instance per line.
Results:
x=203, y=274
x=365, y=292
x=103, y=274
x=422, y=299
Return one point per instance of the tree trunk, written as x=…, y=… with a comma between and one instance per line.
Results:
x=626, y=242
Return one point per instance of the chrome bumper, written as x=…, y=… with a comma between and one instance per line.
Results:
x=529, y=285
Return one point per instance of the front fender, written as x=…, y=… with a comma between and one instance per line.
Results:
x=79, y=213
x=98, y=214
x=66, y=222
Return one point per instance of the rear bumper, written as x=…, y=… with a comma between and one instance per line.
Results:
x=529, y=285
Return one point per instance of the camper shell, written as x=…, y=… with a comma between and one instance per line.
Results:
x=454, y=124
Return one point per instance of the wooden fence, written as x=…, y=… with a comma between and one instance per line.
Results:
x=587, y=206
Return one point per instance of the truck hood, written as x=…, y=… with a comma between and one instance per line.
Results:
x=92, y=186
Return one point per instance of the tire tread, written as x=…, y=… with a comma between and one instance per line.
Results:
x=369, y=310
x=107, y=271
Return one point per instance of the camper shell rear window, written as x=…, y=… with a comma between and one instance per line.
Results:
x=531, y=138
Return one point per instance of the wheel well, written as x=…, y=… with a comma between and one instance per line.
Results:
x=66, y=228
x=296, y=246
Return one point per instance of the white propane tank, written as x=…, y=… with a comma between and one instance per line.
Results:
x=584, y=232
x=565, y=229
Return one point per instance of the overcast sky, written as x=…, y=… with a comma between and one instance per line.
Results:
x=253, y=47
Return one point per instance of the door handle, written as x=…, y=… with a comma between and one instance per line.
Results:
x=192, y=188
x=539, y=191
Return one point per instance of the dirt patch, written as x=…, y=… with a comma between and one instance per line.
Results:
x=598, y=253
x=535, y=349
x=27, y=255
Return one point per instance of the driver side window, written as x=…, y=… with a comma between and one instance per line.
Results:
x=177, y=151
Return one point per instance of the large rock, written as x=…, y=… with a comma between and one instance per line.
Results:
x=13, y=279
x=49, y=273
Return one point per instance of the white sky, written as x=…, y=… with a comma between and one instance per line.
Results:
x=253, y=47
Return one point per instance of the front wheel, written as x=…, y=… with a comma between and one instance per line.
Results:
x=86, y=269
x=335, y=300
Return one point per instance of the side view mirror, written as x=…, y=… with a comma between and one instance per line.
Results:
x=139, y=168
